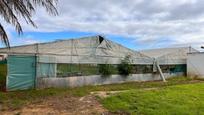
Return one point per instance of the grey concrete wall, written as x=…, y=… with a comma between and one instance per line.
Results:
x=98, y=80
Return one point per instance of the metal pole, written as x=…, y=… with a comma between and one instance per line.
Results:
x=160, y=72
x=36, y=65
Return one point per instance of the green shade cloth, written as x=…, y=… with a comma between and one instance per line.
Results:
x=21, y=72
x=3, y=62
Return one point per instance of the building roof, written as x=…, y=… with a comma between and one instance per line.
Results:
x=94, y=49
x=97, y=49
x=170, y=55
x=156, y=53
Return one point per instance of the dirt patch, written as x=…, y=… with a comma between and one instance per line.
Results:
x=148, y=89
x=196, y=81
x=104, y=94
x=67, y=105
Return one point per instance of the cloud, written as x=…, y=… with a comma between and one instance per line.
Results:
x=23, y=40
x=146, y=22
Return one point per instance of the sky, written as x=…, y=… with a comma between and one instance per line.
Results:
x=136, y=24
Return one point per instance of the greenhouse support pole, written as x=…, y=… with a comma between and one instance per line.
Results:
x=160, y=72
x=36, y=65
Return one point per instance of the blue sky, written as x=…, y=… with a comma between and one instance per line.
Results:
x=136, y=24
x=39, y=37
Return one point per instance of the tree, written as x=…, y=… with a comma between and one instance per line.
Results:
x=105, y=69
x=124, y=68
x=12, y=10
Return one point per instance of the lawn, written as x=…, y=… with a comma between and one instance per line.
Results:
x=185, y=99
x=18, y=99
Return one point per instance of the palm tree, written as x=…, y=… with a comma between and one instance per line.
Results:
x=12, y=10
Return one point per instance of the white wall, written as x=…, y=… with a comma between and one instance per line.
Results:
x=98, y=80
x=195, y=65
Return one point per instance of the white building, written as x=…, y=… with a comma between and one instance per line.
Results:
x=195, y=64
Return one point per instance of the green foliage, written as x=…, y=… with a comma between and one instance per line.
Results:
x=105, y=69
x=65, y=70
x=174, y=100
x=84, y=69
x=3, y=73
x=124, y=68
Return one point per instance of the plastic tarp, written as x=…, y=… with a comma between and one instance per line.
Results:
x=170, y=56
x=178, y=68
x=3, y=61
x=21, y=72
x=46, y=70
x=195, y=65
x=87, y=50
x=46, y=66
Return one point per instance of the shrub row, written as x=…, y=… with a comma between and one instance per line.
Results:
x=124, y=68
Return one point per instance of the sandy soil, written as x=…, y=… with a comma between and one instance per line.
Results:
x=104, y=94
x=67, y=105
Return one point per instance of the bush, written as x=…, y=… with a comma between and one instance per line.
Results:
x=3, y=73
x=105, y=69
x=125, y=68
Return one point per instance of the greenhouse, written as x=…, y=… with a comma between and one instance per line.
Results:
x=77, y=62
x=171, y=60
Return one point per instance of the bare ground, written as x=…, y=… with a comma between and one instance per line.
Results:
x=67, y=105
x=70, y=105
x=104, y=94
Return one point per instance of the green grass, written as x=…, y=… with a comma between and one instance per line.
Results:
x=17, y=99
x=185, y=99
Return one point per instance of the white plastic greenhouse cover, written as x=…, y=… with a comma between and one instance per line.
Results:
x=87, y=50
x=170, y=55
x=195, y=65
